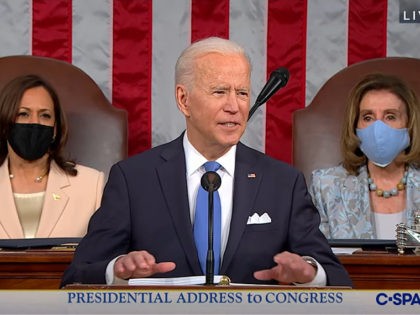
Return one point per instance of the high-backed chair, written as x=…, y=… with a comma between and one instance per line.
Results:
x=317, y=128
x=97, y=130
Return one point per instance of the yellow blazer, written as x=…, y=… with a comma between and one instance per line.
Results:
x=68, y=205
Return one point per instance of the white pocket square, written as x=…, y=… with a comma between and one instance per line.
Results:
x=257, y=219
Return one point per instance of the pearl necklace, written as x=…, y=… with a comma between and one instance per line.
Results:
x=388, y=193
x=37, y=179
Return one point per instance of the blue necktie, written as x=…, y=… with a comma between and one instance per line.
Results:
x=201, y=223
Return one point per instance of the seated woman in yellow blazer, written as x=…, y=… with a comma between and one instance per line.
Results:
x=42, y=194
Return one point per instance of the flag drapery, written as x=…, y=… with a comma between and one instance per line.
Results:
x=129, y=47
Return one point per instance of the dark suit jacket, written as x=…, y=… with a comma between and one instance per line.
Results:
x=145, y=207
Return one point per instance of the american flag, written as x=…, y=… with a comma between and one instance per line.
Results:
x=129, y=47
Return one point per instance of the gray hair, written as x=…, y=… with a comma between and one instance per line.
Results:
x=184, y=68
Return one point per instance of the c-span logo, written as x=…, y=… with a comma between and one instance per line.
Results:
x=398, y=298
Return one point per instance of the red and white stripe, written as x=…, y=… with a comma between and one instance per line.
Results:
x=130, y=48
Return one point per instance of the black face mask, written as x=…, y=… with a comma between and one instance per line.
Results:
x=31, y=141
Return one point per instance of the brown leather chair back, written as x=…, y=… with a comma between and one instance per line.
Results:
x=317, y=128
x=97, y=130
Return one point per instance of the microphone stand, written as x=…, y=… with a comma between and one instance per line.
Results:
x=210, y=182
x=210, y=251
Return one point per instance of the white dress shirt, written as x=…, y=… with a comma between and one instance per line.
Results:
x=195, y=170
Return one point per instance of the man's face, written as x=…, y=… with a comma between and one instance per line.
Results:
x=217, y=105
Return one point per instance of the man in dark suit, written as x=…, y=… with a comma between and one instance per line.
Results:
x=269, y=226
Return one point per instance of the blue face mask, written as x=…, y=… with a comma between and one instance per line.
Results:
x=382, y=143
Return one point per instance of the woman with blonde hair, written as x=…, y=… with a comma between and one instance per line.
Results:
x=377, y=185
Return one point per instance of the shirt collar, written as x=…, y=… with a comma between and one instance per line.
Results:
x=194, y=159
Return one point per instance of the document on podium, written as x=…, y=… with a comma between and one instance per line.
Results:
x=174, y=281
x=345, y=250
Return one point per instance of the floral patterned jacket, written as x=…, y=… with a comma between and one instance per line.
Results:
x=344, y=204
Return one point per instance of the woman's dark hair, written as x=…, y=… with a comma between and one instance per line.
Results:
x=353, y=157
x=10, y=98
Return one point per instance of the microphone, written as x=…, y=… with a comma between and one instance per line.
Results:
x=210, y=182
x=278, y=79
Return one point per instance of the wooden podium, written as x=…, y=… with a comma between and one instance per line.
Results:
x=381, y=270
x=33, y=269
x=42, y=269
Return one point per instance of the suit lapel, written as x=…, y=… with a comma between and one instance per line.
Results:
x=55, y=201
x=412, y=190
x=9, y=219
x=176, y=196
x=248, y=176
x=356, y=200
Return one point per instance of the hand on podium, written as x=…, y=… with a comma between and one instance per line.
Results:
x=140, y=264
x=290, y=268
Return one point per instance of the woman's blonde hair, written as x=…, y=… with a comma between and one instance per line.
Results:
x=353, y=157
